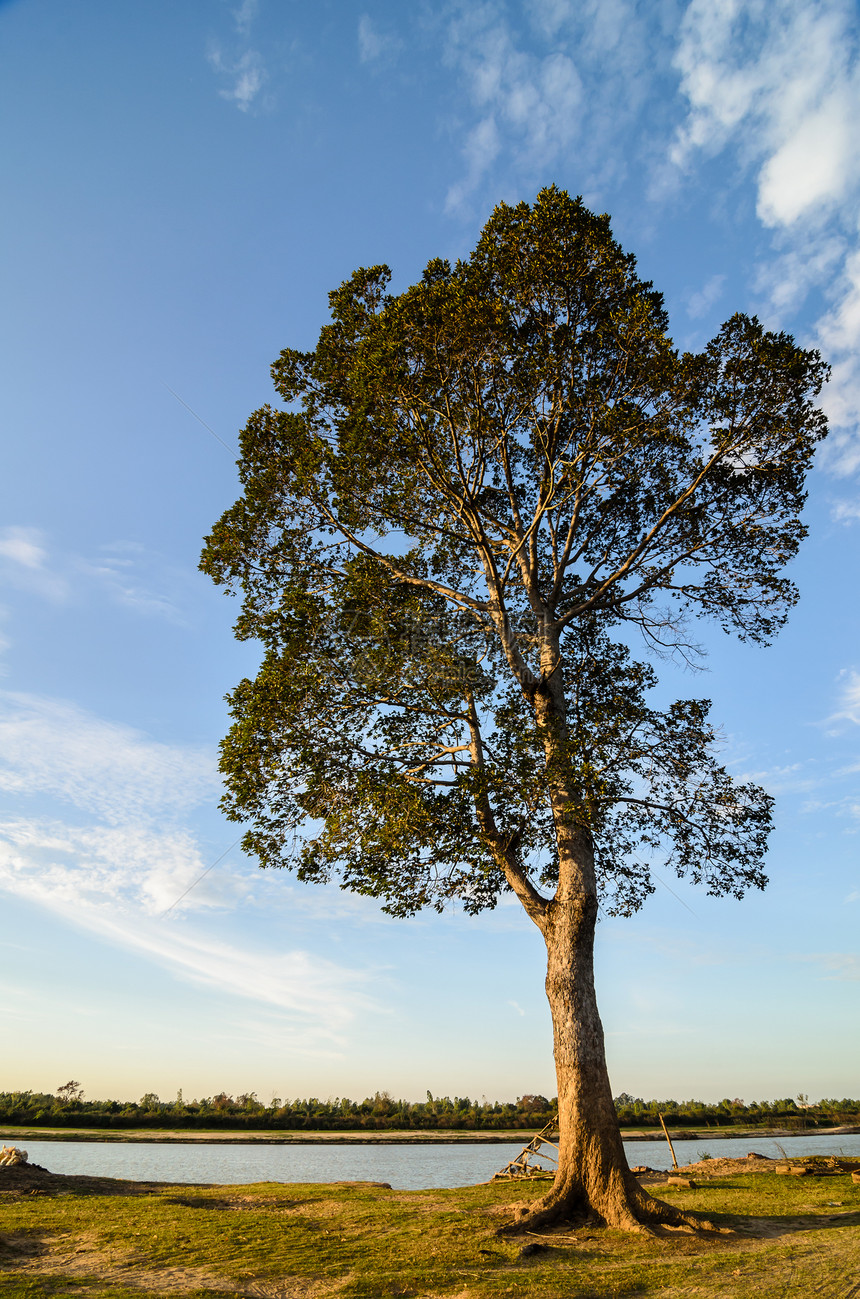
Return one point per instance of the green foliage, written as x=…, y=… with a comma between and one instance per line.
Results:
x=382, y=1112
x=636, y=1112
x=379, y=1112
x=478, y=489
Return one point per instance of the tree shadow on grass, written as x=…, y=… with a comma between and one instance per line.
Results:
x=786, y=1224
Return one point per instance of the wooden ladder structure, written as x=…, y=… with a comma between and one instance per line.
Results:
x=523, y=1165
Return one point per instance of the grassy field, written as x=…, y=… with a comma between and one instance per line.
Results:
x=790, y=1236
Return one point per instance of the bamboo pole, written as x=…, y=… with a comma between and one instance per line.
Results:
x=669, y=1139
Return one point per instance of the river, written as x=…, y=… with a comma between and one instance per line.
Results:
x=408, y=1167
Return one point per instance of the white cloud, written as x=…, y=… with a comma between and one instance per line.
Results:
x=699, y=304
x=553, y=84
x=609, y=33
x=242, y=67
x=534, y=99
x=373, y=45
x=549, y=15
x=244, y=16
x=814, y=165
x=22, y=546
x=122, y=867
x=24, y=563
x=51, y=747
x=139, y=580
x=849, y=701
x=135, y=866
x=838, y=335
x=480, y=150
x=125, y=570
x=113, y=883
x=792, y=778
x=246, y=73
x=780, y=79
x=845, y=511
x=799, y=267
x=782, y=73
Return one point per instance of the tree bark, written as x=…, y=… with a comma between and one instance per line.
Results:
x=593, y=1180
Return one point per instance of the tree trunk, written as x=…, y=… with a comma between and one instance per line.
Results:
x=593, y=1180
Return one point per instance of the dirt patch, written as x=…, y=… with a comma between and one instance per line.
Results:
x=821, y=1165
x=83, y=1257
x=14, y=1248
x=239, y=1203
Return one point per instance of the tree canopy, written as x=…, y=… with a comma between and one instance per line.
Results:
x=506, y=457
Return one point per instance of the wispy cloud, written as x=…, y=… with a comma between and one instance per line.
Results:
x=845, y=511
x=51, y=747
x=784, y=76
x=841, y=966
x=797, y=268
x=700, y=303
x=781, y=83
x=557, y=84
x=838, y=334
x=22, y=546
x=139, y=580
x=532, y=100
x=375, y=46
x=124, y=856
x=24, y=563
x=848, y=708
x=129, y=573
x=136, y=867
x=245, y=15
x=240, y=65
x=789, y=778
x=101, y=889
x=5, y=642
x=245, y=73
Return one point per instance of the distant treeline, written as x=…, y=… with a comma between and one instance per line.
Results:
x=380, y=1112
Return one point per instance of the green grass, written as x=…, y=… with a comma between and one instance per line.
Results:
x=365, y=1242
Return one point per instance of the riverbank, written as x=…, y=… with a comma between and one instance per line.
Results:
x=786, y=1236
x=17, y=1135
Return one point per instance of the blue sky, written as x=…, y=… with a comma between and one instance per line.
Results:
x=183, y=186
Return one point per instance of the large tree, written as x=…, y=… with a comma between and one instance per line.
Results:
x=484, y=497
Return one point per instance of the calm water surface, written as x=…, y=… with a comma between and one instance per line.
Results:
x=413, y=1167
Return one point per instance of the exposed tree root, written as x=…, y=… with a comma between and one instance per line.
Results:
x=625, y=1206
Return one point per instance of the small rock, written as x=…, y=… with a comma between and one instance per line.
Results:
x=532, y=1248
